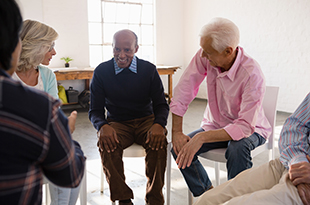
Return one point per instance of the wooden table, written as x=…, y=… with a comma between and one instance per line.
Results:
x=87, y=74
x=76, y=74
x=167, y=70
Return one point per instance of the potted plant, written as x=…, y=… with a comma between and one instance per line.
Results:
x=67, y=60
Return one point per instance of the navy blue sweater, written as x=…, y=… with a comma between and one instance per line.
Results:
x=127, y=95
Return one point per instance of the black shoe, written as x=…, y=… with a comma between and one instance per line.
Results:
x=125, y=202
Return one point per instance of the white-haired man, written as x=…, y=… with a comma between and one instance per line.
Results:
x=234, y=117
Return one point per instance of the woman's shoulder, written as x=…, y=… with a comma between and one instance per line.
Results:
x=45, y=71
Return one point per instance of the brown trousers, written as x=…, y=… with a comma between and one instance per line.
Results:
x=129, y=132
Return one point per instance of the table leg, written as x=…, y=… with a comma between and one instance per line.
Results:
x=86, y=84
x=169, y=87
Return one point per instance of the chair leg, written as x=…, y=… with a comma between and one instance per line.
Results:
x=102, y=181
x=168, y=174
x=271, y=154
x=190, y=197
x=47, y=195
x=83, y=190
x=217, y=173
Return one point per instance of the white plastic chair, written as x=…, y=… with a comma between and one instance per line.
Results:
x=47, y=192
x=82, y=194
x=218, y=155
x=138, y=151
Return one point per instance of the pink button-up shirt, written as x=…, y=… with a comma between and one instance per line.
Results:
x=234, y=97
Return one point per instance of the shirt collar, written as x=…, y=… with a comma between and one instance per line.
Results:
x=231, y=73
x=132, y=67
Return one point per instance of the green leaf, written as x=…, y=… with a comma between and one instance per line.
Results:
x=66, y=59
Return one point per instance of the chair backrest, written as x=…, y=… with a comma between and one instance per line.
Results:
x=270, y=109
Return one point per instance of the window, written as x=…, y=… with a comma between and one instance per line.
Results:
x=105, y=17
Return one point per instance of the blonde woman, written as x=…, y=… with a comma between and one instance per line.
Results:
x=38, y=41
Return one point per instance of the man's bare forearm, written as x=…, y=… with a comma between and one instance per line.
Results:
x=219, y=135
x=177, y=123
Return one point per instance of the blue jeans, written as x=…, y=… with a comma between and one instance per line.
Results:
x=62, y=195
x=238, y=155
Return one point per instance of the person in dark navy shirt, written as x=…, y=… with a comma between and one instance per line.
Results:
x=35, y=138
x=131, y=92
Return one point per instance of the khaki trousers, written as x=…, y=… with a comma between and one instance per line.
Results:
x=267, y=184
x=129, y=132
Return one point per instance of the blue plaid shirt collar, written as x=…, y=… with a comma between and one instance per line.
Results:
x=132, y=67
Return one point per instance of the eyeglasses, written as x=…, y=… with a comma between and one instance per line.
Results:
x=52, y=47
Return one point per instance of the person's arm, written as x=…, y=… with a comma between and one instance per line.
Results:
x=52, y=87
x=294, y=137
x=179, y=139
x=187, y=88
x=250, y=107
x=72, y=120
x=304, y=193
x=64, y=162
x=186, y=154
x=156, y=136
x=183, y=94
x=294, y=149
x=300, y=177
x=299, y=173
x=159, y=102
x=97, y=101
x=107, y=138
x=49, y=81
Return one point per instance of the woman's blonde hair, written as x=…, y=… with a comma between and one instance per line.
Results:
x=37, y=39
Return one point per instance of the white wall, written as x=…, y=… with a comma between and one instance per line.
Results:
x=170, y=35
x=169, y=32
x=274, y=32
x=69, y=19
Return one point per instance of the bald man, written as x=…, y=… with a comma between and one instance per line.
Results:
x=131, y=91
